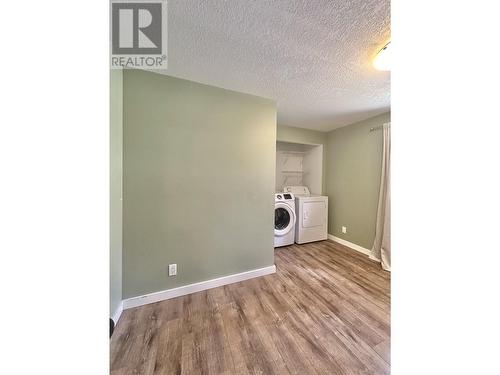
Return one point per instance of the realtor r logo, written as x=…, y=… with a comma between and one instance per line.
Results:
x=138, y=34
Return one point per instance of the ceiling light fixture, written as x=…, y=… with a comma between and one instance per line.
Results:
x=383, y=59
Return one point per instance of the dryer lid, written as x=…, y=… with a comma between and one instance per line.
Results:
x=297, y=190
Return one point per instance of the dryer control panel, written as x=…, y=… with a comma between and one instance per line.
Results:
x=297, y=190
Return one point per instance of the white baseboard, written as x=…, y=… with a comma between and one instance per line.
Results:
x=351, y=245
x=196, y=287
x=118, y=313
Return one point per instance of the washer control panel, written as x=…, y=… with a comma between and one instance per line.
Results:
x=284, y=197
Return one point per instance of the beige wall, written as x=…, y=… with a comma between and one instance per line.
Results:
x=115, y=209
x=306, y=136
x=198, y=181
x=354, y=156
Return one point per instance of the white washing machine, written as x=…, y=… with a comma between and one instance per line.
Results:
x=312, y=214
x=284, y=219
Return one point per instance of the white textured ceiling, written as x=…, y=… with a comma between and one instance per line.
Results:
x=313, y=57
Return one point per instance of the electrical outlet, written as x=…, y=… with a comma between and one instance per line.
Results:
x=344, y=229
x=172, y=269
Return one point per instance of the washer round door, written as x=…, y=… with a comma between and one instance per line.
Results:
x=284, y=219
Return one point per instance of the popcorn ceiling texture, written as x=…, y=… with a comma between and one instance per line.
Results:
x=313, y=57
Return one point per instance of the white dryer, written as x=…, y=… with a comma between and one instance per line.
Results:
x=284, y=219
x=312, y=214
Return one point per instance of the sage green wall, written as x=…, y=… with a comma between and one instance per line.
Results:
x=115, y=209
x=307, y=136
x=354, y=157
x=198, y=182
x=300, y=135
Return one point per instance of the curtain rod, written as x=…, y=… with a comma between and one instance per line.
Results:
x=376, y=127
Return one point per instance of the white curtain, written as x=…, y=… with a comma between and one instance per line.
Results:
x=381, y=249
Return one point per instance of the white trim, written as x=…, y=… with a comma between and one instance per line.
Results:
x=351, y=245
x=196, y=287
x=118, y=313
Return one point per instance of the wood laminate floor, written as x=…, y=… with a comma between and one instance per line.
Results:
x=325, y=311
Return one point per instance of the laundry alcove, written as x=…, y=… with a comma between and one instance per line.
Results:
x=299, y=164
